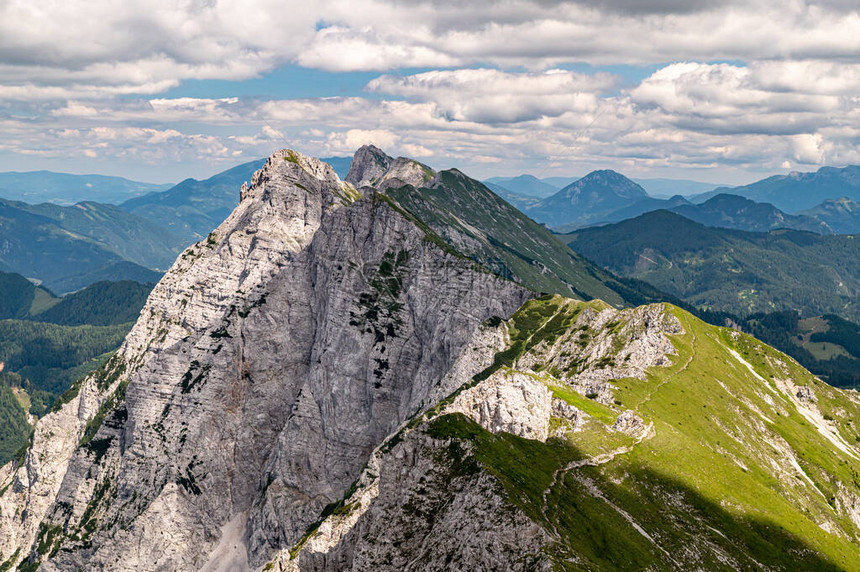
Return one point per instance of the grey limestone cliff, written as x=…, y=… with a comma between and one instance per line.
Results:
x=266, y=366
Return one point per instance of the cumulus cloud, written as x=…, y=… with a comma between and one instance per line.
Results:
x=347, y=49
x=689, y=115
x=768, y=97
x=543, y=34
x=89, y=79
x=109, y=48
x=493, y=96
x=144, y=47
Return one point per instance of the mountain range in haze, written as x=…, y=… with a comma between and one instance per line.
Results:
x=66, y=189
x=603, y=197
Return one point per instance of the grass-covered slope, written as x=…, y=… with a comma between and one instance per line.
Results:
x=730, y=270
x=476, y=222
x=21, y=297
x=737, y=462
x=741, y=459
x=480, y=224
x=828, y=345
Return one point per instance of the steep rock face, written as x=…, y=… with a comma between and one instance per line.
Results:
x=267, y=365
x=368, y=166
x=508, y=401
x=433, y=509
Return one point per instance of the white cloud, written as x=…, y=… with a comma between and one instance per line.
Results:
x=493, y=96
x=688, y=115
x=144, y=46
x=789, y=94
x=543, y=34
x=346, y=49
x=77, y=48
x=355, y=138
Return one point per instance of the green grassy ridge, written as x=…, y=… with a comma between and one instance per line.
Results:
x=508, y=242
x=102, y=303
x=599, y=536
x=691, y=409
x=696, y=405
x=838, y=363
x=702, y=481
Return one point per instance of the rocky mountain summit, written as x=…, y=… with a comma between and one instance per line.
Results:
x=329, y=382
x=269, y=362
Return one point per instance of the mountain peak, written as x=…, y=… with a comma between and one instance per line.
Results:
x=610, y=177
x=598, y=192
x=798, y=191
x=368, y=165
x=294, y=170
x=372, y=167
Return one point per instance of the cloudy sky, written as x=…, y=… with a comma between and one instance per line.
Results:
x=720, y=91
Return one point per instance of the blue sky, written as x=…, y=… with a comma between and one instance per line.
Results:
x=723, y=92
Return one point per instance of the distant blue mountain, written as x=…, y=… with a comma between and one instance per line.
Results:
x=842, y=214
x=588, y=200
x=525, y=185
x=560, y=182
x=522, y=202
x=671, y=187
x=64, y=189
x=193, y=208
x=68, y=248
x=530, y=186
x=798, y=191
x=339, y=164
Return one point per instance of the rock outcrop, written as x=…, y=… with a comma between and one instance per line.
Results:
x=508, y=401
